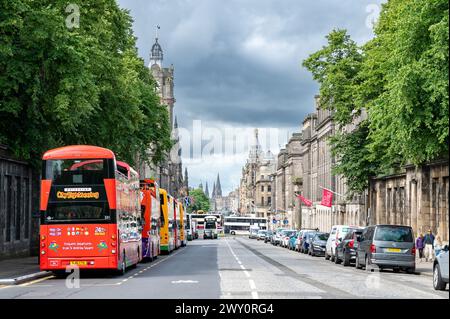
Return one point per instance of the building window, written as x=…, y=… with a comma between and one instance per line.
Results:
x=269, y=188
x=262, y=176
x=262, y=188
x=262, y=200
x=269, y=200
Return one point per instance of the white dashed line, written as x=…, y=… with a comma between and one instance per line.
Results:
x=252, y=284
x=255, y=295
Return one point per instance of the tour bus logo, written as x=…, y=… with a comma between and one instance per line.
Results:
x=53, y=246
x=77, y=193
x=102, y=245
x=100, y=231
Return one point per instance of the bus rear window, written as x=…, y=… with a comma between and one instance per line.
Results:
x=75, y=171
x=77, y=212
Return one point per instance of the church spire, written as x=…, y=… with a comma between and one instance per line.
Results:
x=207, y=190
x=218, y=187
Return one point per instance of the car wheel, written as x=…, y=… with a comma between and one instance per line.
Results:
x=346, y=260
x=332, y=257
x=327, y=256
x=357, y=264
x=368, y=266
x=411, y=270
x=336, y=259
x=438, y=283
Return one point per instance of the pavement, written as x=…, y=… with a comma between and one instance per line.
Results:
x=230, y=268
x=19, y=270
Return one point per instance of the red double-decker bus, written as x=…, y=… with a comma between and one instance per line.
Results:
x=90, y=210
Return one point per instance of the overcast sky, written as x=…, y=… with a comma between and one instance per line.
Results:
x=238, y=67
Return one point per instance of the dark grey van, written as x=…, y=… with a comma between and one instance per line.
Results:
x=387, y=246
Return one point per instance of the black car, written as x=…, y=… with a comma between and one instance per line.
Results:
x=346, y=249
x=268, y=237
x=318, y=244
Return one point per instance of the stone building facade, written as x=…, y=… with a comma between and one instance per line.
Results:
x=169, y=173
x=255, y=189
x=417, y=197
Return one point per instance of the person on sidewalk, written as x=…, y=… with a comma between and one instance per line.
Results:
x=437, y=245
x=420, y=246
x=429, y=241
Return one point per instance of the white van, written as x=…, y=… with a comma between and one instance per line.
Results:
x=337, y=233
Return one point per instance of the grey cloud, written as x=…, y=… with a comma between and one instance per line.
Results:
x=239, y=62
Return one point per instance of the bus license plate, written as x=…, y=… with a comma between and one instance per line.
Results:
x=79, y=263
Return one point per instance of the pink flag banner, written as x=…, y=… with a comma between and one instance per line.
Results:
x=327, y=198
x=306, y=201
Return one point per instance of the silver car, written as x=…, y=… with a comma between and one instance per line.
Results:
x=440, y=270
x=387, y=246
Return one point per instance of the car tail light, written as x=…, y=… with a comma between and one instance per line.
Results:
x=351, y=243
x=413, y=251
x=373, y=249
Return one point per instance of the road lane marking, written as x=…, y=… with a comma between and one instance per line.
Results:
x=184, y=281
x=36, y=281
x=251, y=282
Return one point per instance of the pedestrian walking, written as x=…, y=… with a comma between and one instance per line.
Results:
x=429, y=245
x=437, y=245
x=420, y=245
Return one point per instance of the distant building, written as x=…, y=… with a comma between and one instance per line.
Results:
x=255, y=190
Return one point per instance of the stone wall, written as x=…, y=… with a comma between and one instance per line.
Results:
x=418, y=197
x=19, y=207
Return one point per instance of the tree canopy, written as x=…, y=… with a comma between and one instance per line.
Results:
x=200, y=202
x=84, y=84
x=400, y=78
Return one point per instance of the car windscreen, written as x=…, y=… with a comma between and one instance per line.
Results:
x=289, y=233
x=395, y=234
x=322, y=236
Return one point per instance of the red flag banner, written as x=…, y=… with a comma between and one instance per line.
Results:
x=327, y=197
x=306, y=201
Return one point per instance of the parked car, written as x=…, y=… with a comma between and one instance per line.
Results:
x=276, y=238
x=337, y=233
x=268, y=236
x=387, y=246
x=292, y=241
x=306, y=240
x=285, y=236
x=299, y=241
x=440, y=270
x=261, y=234
x=253, y=232
x=346, y=249
x=318, y=244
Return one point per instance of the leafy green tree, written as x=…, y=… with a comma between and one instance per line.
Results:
x=336, y=67
x=63, y=85
x=405, y=82
x=201, y=202
x=401, y=78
